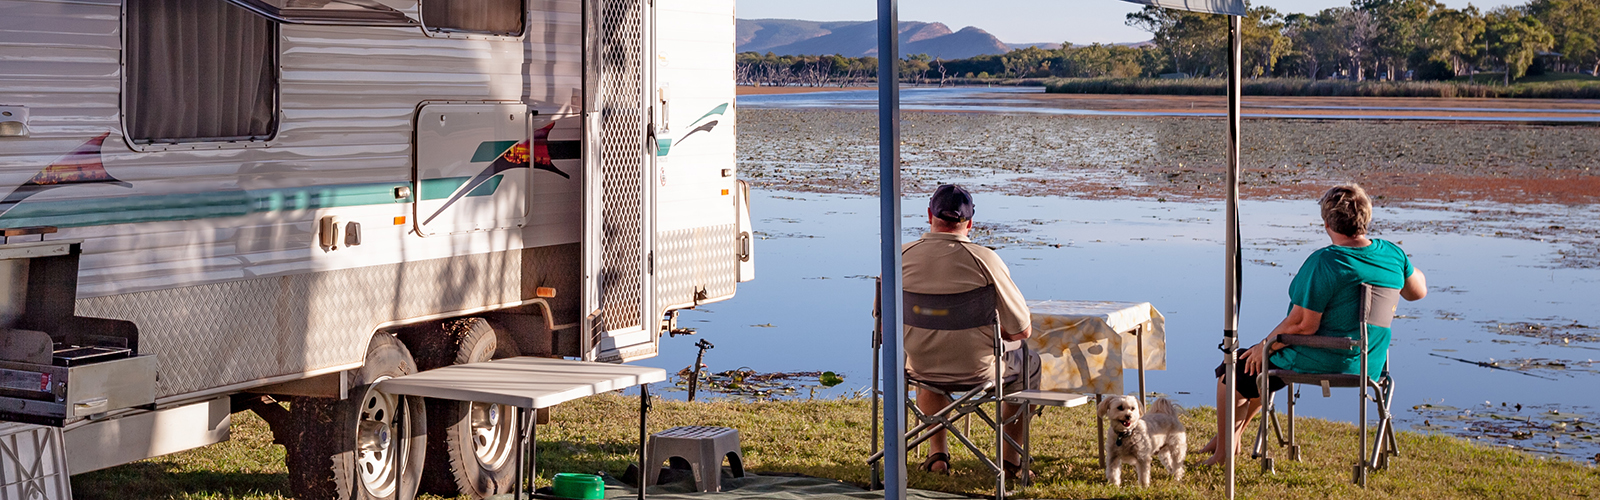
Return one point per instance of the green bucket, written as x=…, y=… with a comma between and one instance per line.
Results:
x=579, y=486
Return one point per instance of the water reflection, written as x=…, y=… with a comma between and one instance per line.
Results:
x=811, y=308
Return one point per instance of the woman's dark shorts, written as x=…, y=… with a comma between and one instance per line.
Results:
x=1248, y=388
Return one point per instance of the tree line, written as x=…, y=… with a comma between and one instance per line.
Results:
x=1370, y=39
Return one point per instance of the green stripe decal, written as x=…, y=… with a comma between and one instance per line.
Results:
x=488, y=151
x=438, y=189
x=190, y=206
x=714, y=111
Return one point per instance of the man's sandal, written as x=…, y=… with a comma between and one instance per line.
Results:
x=935, y=458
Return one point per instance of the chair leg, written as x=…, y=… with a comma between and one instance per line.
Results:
x=1294, y=446
x=1277, y=427
x=1360, y=477
x=1261, y=450
x=875, y=475
x=1259, y=444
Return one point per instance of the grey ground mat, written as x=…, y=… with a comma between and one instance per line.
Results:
x=756, y=486
x=679, y=485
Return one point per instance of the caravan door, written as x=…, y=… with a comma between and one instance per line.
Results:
x=698, y=196
x=619, y=155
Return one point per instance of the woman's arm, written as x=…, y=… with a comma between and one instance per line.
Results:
x=1300, y=321
x=1416, y=286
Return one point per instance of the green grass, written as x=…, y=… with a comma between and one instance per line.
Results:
x=830, y=438
x=1545, y=87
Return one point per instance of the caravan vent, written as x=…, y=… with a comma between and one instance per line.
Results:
x=621, y=100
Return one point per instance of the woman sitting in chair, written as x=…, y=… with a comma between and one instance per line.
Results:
x=1324, y=298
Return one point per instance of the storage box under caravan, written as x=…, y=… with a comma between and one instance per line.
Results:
x=221, y=205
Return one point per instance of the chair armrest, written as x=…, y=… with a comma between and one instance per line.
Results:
x=1319, y=341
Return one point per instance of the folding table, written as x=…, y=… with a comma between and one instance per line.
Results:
x=530, y=383
x=1085, y=345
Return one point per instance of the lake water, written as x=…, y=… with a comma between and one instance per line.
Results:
x=810, y=305
x=1016, y=100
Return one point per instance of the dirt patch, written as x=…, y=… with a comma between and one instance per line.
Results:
x=1123, y=157
x=1457, y=166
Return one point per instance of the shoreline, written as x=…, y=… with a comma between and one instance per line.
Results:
x=769, y=90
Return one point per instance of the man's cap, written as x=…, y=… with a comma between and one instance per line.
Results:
x=951, y=203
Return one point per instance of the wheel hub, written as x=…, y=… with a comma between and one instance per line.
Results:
x=493, y=437
x=379, y=454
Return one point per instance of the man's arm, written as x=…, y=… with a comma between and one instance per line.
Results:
x=1015, y=321
x=1416, y=286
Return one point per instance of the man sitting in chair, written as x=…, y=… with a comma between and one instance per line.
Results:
x=945, y=261
x=1324, y=297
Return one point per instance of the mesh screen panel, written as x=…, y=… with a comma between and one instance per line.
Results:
x=620, y=95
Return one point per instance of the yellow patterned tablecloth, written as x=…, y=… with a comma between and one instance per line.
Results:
x=1084, y=345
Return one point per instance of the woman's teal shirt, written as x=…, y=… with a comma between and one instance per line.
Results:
x=1329, y=283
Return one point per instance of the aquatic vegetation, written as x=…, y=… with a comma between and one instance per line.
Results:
x=1549, y=429
x=1550, y=331
x=746, y=384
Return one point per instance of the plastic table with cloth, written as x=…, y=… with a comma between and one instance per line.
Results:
x=1085, y=345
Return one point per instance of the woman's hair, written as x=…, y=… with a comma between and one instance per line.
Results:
x=1346, y=209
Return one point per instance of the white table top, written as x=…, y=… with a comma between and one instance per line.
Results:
x=525, y=382
x=1122, y=317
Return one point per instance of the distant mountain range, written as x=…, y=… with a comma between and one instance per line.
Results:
x=860, y=38
x=788, y=37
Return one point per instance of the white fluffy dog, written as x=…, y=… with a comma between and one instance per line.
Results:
x=1135, y=436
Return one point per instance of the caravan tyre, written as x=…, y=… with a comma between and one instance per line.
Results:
x=368, y=446
x=472, y=446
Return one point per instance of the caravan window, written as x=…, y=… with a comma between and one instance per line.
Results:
x=487, y=17
x=328, y=12
x=199, y=70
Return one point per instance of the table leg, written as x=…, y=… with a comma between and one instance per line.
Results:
x=1099, y=432
x=1138, y=336
x=644, y=411
x=533, y=449
x=522, y=454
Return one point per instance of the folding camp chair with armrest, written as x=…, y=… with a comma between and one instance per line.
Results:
x=960, y=311
x=1376, y=308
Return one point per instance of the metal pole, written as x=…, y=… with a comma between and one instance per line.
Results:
x=1231, y=268
x=894, y=361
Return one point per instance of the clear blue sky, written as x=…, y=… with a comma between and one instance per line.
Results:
x=1017, y=21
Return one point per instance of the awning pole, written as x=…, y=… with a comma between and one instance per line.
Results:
x=894, y=361
x=1230, y=315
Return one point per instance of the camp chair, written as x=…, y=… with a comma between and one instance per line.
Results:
x=1376, y=308
x=959, y=311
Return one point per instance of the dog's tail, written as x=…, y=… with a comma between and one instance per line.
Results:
x=1164, y=405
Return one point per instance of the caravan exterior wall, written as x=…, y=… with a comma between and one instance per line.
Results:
x=212, y=247
x=260, y=208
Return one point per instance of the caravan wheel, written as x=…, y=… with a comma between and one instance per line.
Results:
x=472, y=450
x=369, y=446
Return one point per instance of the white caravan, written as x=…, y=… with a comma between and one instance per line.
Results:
x=213, y=206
